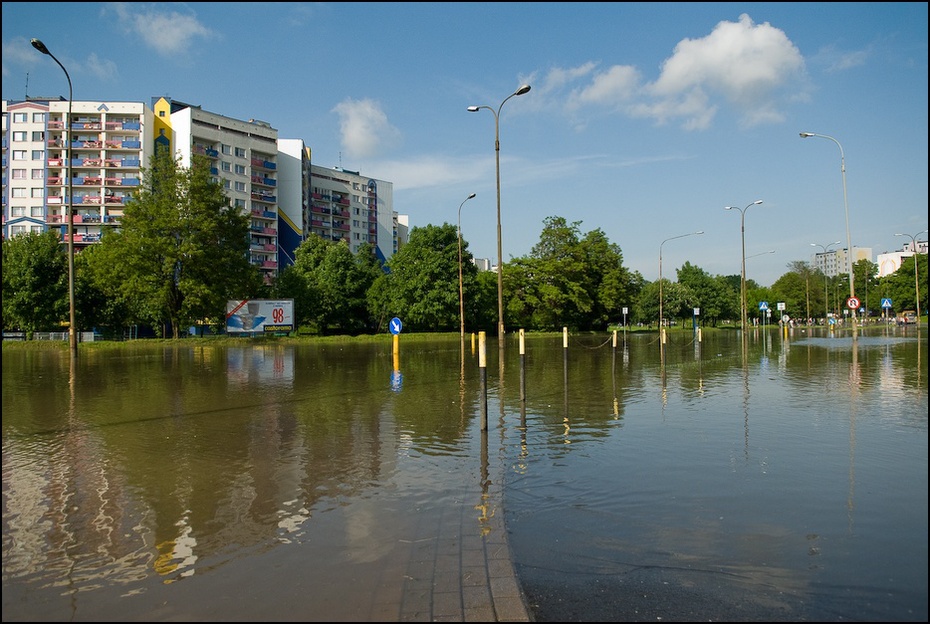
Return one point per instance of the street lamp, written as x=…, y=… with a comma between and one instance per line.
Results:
x=916, y=283
x=826, y=297
x=849, y=251
x=661, y=314
x=497, y=155
x=461, y=299
x=742, y=277
x=72, y=334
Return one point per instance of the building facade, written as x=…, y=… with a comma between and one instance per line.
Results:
x=97, y=163
x=93, y=166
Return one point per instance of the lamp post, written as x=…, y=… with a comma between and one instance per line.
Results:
x=916, y=282
x=461, y=298
x=497, y=161
x=72, y=333
x=849, y=251
x=742, y=276
x=826, y=297
x=661, y=313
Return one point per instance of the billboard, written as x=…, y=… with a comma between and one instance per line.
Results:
x=250, y=316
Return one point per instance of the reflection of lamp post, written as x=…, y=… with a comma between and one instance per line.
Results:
x=461, y=299
x=497, y=156
x=742, y=277
x=661, y=314
x=916, y=283
x=826, y=297
x=849, y=251
x=72, y=334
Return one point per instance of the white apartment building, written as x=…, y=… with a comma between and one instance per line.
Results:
x=93, y=166
x=833, y=263
x=348, y=206
x=269, y=178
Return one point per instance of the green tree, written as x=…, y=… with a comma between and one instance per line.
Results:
x=899, y=286
x=328, y=285
x=422, y=283
x=568, y=280
x=35, y=282
x=183, y=249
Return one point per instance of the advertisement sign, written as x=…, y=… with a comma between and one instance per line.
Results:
x=259, y=316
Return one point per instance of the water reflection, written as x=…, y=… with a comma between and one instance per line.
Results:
x=793, y=464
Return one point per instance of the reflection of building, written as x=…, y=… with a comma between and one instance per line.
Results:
x=833, y=263
x=890, y=261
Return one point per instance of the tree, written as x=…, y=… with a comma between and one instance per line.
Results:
x=329, y=284
x=35, y=282
x=183, y=249
x=422, y=283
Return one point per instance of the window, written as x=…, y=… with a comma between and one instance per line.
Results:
x=225, y=149
x=18, y=211
x=38, y=117
x=240, y=204
x=225, y=184
x=38, y=135
x=36, y=229
x=19, y=174
x=38, y=192
x=226, y=166
x=38, y=154
x=19, y=136
x=240, y=152
x=20, y=118
x=240, y=169
x=19, y=154
x=17, y=229
x=19, y=192
x=37, y=211
x=240, y=186
x=38, y=174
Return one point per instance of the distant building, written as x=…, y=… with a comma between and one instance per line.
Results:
x=889, y=262
x=833, y=263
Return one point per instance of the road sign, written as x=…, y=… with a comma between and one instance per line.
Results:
x=396, y=325
x=763, y=305
x=852, y=303
x=886, y=302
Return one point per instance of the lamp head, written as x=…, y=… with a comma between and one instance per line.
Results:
x=730, y=208
x=472, y=109
x=756, y=203
x=524, y=89
x=472, y=196
x=804, y=135
x=38, y=45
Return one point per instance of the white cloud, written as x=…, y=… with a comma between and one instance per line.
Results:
x=365, y=129
x=754, y=69
x=169, y=33
x=746, y=64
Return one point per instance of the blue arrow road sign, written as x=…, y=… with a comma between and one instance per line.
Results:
x=396, y=325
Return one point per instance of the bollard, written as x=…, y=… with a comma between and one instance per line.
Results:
x=483, y=370
x=522, y=366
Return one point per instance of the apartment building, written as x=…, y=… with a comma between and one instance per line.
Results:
x=347, y=206
x=106, y=147
x=833, y=263
x=269, y=178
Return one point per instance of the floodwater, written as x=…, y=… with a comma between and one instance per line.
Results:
x=784, y=479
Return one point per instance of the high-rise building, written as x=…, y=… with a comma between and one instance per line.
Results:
x=269, y=178
x=102, y=152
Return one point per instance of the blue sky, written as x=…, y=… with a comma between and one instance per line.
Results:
x=644, y=120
